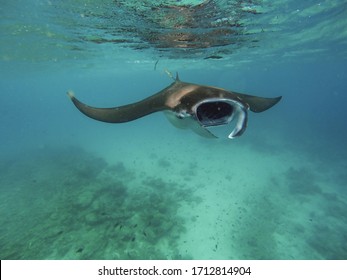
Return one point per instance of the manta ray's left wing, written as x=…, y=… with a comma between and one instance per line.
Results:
x=124, y=113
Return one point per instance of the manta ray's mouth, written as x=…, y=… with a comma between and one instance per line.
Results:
x=220, y=116
x=214, y=113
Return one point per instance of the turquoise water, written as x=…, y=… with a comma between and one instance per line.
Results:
x=75, y=188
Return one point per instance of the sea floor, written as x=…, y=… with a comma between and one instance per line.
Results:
x=189, y=198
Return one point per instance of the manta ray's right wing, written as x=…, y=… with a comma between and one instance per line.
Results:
x=258, y=104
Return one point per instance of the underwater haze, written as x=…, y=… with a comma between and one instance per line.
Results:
x=75, y=188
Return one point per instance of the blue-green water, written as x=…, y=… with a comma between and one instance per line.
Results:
x=75, y=188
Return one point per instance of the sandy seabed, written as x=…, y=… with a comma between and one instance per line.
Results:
x=165, y=199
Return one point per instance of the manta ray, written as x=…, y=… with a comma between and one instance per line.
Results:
x=209, y=111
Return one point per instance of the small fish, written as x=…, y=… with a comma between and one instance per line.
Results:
x=214, y=57
x=155, y=65
x=79, y=250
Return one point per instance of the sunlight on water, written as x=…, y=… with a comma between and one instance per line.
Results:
x=58, y=31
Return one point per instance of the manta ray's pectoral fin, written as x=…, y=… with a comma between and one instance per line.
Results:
x=259, y=104
x=124, y=113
